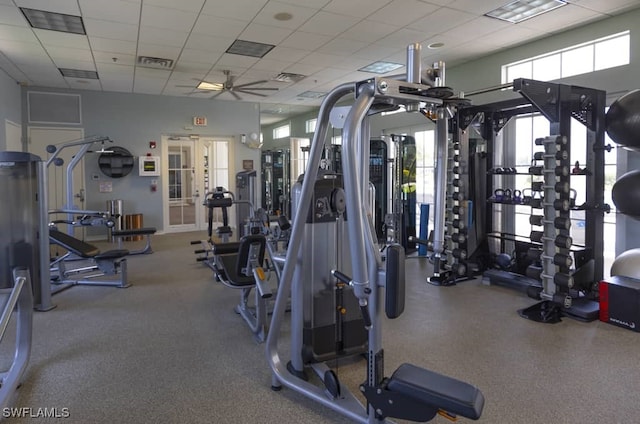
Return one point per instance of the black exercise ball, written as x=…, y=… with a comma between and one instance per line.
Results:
x=623, y=120
x=626, y=194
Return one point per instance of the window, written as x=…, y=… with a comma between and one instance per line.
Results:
x=282, y=132
x=310, y=125
x=603, y=53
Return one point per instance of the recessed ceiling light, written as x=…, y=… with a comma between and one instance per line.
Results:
x=288, y=77
x=283, y=16
x=520, y=10
x=435, y=45
x=249, y=48
x=381, y=67
x=213, y=86
x=78, y=73
x=53, y=21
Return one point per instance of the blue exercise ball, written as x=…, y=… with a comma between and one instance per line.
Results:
x=623, y=120
x=626, y=194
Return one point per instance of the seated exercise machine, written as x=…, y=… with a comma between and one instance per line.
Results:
x=145, y=231
x=239, y=265
x=93, y=264
x=411, y=393
x=218, y=198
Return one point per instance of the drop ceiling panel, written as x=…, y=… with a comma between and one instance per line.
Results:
x=68, y=7
x=161, y=17
x=234, y=60
x=356, y=8
x=12, y=16
x=561, y=19
x=187, y=5
x=316, y=4
x=305, y=40
x=117, y=84
x=84, y=65
x=375, y=52
x=148, y=85
x=156, y=50
x=237, y=9
x=286, y=54
x=403, y=37
x=299, y=15
x=84, y=84
x=402, y=12
x=112, y=46
x=191, y=55
x=185, y=66
x=303, y=69
x=111, y=30
x=112, y=10
x=61, y=39
x=328, y=23
x=265, y=34
x=369, y=31
x=477, y=7
x=163, y=36
x=115, y=70
x=342, y=46
x=107, y=57
x=219, y=27
x=608, y=7
x=63, y=53
x=275, y=66
x=155, y=74
x=205, y=43
x=442, y=20
x=11, y=33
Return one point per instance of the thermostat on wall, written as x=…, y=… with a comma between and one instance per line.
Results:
x=149, y=166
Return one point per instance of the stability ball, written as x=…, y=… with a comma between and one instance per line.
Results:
x=623, y=120
x=627, y=264
x=626, y=194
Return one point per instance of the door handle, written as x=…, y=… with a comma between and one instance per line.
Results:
x=80, y=195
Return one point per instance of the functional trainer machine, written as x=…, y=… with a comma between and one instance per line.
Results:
x=411, y=392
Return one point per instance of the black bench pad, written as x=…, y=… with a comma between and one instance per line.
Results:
x=73, y=244
x=449, y=394
x=229, y=264
x=112, y=254
x=225, y=248
x=134, y=232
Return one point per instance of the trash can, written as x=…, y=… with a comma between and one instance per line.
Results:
x=133, y=222
x=114, y=207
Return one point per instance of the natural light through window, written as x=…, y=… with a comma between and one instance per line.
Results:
x=595, y=55
x=282, y=131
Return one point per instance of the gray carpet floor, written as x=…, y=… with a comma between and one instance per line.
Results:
x=170, y=349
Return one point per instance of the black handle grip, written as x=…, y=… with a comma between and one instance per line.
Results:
x=340, y=276
x=419, y=240
x=364, y=310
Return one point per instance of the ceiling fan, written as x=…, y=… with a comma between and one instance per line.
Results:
x=229, y=86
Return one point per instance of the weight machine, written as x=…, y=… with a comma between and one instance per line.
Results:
x=411, y=393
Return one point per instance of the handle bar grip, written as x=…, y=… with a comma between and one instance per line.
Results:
x=364, y=310
x=340, y=276
x=419, y=240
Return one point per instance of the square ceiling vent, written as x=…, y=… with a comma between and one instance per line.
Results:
x=155, y=62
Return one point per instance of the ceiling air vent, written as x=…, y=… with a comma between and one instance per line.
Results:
x=288, y=77
x=155, y=62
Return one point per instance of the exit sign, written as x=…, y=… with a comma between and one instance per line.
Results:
x=199, y=121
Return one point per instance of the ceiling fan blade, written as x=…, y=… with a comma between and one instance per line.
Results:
x=253, y=94
x=234, y=94
x=257, y=88
x=216, y=95
x=251, y=83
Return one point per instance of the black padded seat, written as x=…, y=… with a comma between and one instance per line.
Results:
x=229, y=263
x=440, y=391
x=83, y=249
x=223, y=230
x=225, y=248
x=112, y=254
x=134, y=232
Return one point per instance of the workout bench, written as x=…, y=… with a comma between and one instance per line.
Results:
x=239, y=265
x=111, y=262
x=147, y=231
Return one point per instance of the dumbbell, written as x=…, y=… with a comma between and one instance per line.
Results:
x=558, y=139
x=559, y=259
x=560, y=171
x=561, y=223
x=457, y=196
x=560, y=186
x=559, y=155
x=457, y=223
x=456, y=170
x=456, y=238
x=456, y=253
x=558, y=204
x=459, y=268
x=534, y=272
x=456, y=210
x=560, y=240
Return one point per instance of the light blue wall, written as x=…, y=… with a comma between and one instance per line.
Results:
x=133, y=120
x=9, y=105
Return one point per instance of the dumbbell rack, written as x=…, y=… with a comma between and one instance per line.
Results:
x=552, y=203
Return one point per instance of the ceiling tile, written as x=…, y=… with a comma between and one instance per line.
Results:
x=299, y=15
x=369, y=31
x=196, y=55
x=12, y=33
x=115, y=70
x=84, y=84
x=287, y=54
x=155, y=74
x=441, y=20
x=610, y=7
x=560, y=19
x=107, y=57
x=328, y=23
x=511, y=36
x=11, y=15
x=476, y=28
x=264, y=34
x=112, y=46
x=271, y=65
x=342, y=46
x=69, y=7
x=161, y=17
x=374, y=52
x=67, y=53
x=185, y=66
x=25, y=53
x=235, y=60
x=303, y=69
x=217, y=26
x=112, y=30
x=305, y=40
x=403, y=38
x=208, y=44
x=477, y=7
x=67, y=62
x=357, y=8
x=244, y=10
x=145, y=85
x=402, y=12
x=112, y=10
x=61, y=39
x=186, y=5
x=316, y=4
x=163, y=36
